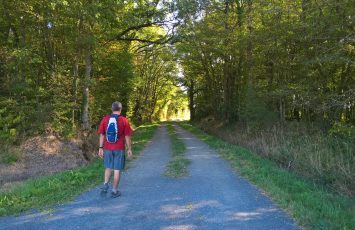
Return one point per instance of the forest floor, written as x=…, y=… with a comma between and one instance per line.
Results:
x=39, y=156
x=213, y=196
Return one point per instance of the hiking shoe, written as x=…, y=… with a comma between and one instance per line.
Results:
x=115, y=194
x=104, y=188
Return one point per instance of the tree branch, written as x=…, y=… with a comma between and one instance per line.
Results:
x=159, y=41
x=121, y=36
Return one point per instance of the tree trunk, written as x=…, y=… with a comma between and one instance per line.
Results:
x=75, y=88
x=282, y=110
x=88, y=69
x=249, y=45
x=191, y=100
x=228, y=76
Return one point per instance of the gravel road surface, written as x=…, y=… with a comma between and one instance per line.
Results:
x=213, y=196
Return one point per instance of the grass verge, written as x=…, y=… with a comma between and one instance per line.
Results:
x=61, y=187
x=312, y=206
x=177, y=167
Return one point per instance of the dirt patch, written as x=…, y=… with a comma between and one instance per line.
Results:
x=42, y=155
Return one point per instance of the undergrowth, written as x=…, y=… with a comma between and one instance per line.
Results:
x=325, y=158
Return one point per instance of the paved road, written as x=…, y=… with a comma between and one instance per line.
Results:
x=211, y=197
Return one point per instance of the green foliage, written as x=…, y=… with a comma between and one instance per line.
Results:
x=114, y=80
x=61, y=187
x=255, y=60
x=177, y=166
x=155, y=94
x=311, y=205
x=58, y=58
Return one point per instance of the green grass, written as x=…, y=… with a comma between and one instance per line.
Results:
x=177, y=167
x=311, y=205
x=62, y=187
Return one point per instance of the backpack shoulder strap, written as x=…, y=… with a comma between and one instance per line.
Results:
x=115, y=116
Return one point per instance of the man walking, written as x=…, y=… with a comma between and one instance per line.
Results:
x=115, y=132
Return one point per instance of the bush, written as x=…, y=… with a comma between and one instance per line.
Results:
x=343, y=130
x=9, y=154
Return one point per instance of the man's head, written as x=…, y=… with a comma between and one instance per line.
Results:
x=116, y=106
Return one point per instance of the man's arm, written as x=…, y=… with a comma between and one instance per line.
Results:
x=129, y=146
x=101, y=145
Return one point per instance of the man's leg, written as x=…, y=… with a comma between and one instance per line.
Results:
x=107, y=175
x=119, y=161
x=108, y=163
x=116, y=180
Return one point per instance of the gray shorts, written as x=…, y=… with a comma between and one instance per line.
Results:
x=114, y=159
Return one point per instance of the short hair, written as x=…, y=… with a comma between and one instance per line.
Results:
x=116, y=106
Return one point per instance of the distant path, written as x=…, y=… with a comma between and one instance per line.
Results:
x=212, y=197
